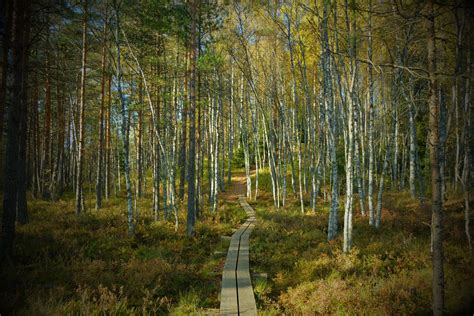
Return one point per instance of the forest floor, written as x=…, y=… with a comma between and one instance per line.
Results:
x=237, y=189
x=85, y=265
x=66, y=264
x=388, y=271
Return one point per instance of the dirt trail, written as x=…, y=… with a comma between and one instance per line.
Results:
x=237, y=188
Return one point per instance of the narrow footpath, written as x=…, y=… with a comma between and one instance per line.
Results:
x=237, y=296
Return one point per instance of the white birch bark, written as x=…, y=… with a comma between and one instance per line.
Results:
x=125, y=126
x=370, y=190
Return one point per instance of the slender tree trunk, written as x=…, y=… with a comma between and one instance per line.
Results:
x=331, y=123
x=396, y=155
x=231, y=126
x=184, y=121
x=191, y=216
x=412, y=140
x=378, y=212
x=460, y=22
x=156, y=155
x=466, y=177
x=436, y=189
x=46, y=158
x=350, y=134
x=349, y=181
x=200, y=150
x=34, y=126
x=370, y=190
x=61, y=130
x=22, y=206
x=284, y=153
x=140, y=152
x=296, y=105
x=125, y=126
x=107, y=138
x=100, y=153
x=80, y=153
x=358, y=158
x=245, y=138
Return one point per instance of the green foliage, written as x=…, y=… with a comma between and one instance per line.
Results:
x=188, y=304
x=238, y=159
x=261, y=289
x=166, y=18
x=210, y=61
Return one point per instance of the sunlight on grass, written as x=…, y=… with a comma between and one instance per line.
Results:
x=188, y=304
x=89, y=264
x=388, y=271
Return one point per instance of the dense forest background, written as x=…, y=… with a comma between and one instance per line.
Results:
x=126, y=127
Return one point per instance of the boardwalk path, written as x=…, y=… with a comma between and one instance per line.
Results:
x=237, y=294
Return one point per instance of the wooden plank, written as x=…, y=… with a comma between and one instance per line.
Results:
x=247, y=304
x=229, y=303
x=237, y=293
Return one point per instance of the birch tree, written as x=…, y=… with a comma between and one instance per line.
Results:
x=80, y=150
x=125, y=123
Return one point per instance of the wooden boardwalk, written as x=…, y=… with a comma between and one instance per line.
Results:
x=237, y=293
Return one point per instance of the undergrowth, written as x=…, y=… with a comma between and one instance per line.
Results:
x=388, y=270
x=90, y=265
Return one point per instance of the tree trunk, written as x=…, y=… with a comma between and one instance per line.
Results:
x=412, y=140
x=231, y=126
x=16, y=95
x=22, y=205
x=7, y=17
x=140, y=151
x=460, y=23
x=350, y=134
x=436, y=189
x=46, y=158
x=184, y=121
x=108, y=134
x=331, y=123
x=378, y=212
x=80, y=150
x=100, y=153
x=125, y=127
x=191, y=216
x=245, y=138
x=370, y=190
x=466, y=177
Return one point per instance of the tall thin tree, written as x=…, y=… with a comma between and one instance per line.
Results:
x=191, y=216
x=80, y=150
x=436, y=176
